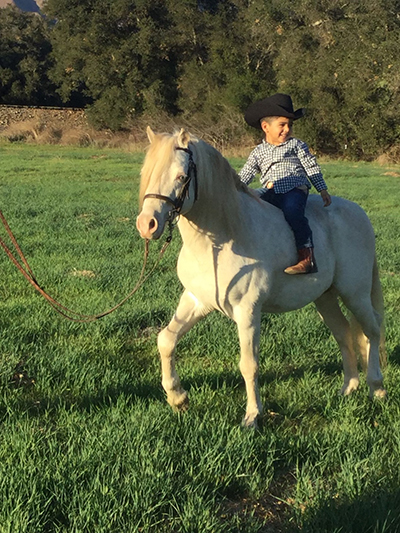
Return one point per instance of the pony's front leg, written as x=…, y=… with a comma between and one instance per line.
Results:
x=187, y=314
x=248, y=322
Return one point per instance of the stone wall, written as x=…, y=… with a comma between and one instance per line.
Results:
x=45, y=116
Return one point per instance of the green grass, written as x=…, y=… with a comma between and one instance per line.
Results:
x=87, y=442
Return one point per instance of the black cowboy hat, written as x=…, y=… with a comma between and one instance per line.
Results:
x=277, y=105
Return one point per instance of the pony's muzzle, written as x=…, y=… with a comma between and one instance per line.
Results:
x=147, y=225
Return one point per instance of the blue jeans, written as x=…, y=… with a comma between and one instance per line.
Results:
x=293, y=205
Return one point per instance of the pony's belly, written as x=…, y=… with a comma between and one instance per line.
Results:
x=288, y=293
x=224, y=280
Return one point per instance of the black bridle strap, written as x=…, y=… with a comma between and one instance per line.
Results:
x=166, y=199
x=192, y=168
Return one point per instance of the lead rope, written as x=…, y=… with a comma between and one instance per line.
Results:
x=61, y=309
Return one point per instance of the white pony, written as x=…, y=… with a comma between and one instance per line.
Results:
x=235, y=249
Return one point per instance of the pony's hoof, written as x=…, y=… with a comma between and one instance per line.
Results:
x=379, y=394
x=376, y=389
x=250, y=421
x=179, y=401
x=349, y=387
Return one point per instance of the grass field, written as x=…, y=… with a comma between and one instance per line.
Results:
x=87, y=441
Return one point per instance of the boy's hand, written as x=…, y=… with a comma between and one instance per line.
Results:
x=326, y=197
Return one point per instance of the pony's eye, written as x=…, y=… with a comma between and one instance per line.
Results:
x=182, y=178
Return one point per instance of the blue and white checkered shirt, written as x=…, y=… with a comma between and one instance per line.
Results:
x=287, y=165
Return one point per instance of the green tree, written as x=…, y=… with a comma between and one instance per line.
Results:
x=227, y=60
x=117, y=54
x=24, y=59
x=338, y=60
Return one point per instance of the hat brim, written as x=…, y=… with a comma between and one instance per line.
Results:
x=261, y=109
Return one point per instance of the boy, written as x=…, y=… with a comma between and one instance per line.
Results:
x=286, y=166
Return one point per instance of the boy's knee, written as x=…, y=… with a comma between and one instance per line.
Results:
x=295, y=219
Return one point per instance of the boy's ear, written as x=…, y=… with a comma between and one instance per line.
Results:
x=264, y=126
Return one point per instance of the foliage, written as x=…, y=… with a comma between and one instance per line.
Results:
x=24, y=59
x=202, y=60
x=116, y=54
x=221, y=69
x=87, y=440
x=337, y=60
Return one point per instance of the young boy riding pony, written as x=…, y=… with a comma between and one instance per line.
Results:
x=286, y=168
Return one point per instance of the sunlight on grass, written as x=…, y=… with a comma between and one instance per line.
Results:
x=88, y=443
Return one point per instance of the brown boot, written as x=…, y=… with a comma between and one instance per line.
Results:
x=306, y=264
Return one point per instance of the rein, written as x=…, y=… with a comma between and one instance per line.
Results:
x=67, y=313
x=23, y=266
x=177, y=204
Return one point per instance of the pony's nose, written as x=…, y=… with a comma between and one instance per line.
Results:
x=146, y=225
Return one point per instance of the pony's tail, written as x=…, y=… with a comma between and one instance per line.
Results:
x=360, y=340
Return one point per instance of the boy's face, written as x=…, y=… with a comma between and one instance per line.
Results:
x=277, y=130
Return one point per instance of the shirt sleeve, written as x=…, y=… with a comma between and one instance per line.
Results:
x=250, y=169
x=311, y=167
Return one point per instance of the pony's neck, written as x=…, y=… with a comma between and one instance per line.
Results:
x=216, y=215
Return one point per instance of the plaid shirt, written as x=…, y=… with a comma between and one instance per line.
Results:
x=287, y=165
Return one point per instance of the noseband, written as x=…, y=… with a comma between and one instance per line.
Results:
x=184, y=192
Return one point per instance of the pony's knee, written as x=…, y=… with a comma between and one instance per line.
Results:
x=248, y=368
x=166, y=342
x=378, y=318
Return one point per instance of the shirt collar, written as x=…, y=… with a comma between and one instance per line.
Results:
x=276, y=145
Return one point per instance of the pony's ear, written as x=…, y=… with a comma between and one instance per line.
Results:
x=150, y=134
x=183, y=138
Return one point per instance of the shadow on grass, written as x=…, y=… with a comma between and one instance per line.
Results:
x=234, y=378
x=377, y=513
x=36, y=404
x=33, y=401
x=394, y=357
x=132, y=393
x=213, y=381
x=140, y=324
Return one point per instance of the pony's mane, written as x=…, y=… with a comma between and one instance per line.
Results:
x=160, y=155
x=229, y=174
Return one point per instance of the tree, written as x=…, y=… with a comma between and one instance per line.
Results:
x=204, y=60
x=226, y=63
x=338, y=60
x=24, y=59
x=117, y=54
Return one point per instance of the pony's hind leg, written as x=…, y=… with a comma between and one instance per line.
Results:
x=187, y=314
x=370, y=322
x=329, y=309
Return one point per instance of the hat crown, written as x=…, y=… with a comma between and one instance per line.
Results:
x=281, y=100
x=277, y=105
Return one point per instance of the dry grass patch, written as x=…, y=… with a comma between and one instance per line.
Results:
x=83, y=273
x=392, y=155
x=69, y=127
x=27, y=130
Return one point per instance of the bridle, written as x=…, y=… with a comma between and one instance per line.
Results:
x=177, y=204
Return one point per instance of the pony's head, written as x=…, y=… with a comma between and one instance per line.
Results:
x=182, y=175
x=168, y=184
